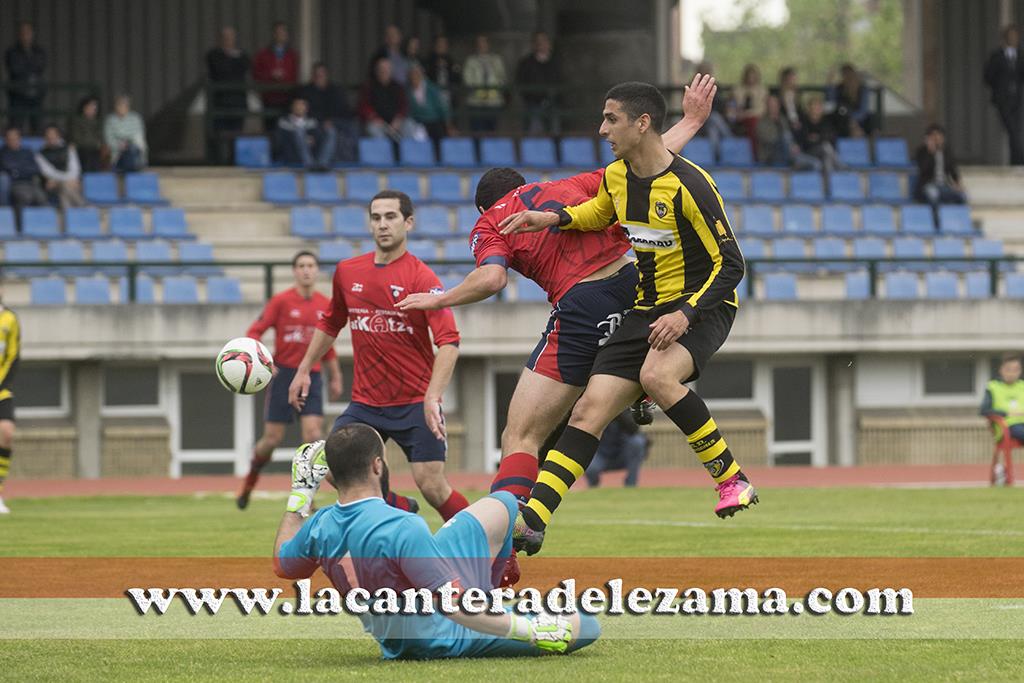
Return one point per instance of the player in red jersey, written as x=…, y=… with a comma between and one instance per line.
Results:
x=293, y=314
x=398, y=382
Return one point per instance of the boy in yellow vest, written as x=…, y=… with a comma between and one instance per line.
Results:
x=1005, y=397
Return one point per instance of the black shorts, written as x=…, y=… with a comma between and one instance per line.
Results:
x=276, y=407
x=626, y=350
x=7, y=409
x=407, y=425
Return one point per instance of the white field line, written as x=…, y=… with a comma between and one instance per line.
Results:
x=801, y=527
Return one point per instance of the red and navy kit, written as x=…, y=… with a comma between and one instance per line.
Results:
x=585, y=313
x=391, y=349
x=293, y=318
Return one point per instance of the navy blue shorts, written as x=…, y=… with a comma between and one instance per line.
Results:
x=407, y=425
x=277, y=408
x=582, y=321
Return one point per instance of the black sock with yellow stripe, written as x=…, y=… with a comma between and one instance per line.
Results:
x=5, y=465
x=564, y=464
x=692, y=416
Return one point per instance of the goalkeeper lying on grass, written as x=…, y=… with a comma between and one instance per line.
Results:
x=361, y=542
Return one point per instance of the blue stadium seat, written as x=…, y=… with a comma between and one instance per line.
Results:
x=767, y=186
x=458, y=153
x=790, y=248
x=126, y=223
x=538, y=152
x=40, y=222
x=955, y=219
x=797, y=218
x=1014, y=285
x=223, y=290
x=577, y=152
x=451, y=279
x=83, y=222
x=780, y=287
x=170, y=223
x=424, y=250
x=736, y=152
x=416, y=153
x=456, y=249
x=950, y=247
x=181, y=289
x=978, y=285
x=878, y=219
x=308, y=222
x=753, y=249
x=858, y=285
x=32, y=143
x=845, y=186
x=333, y=252
x=837, y=219
x=280, y=188
x=350, y=221
x=917, y=219
x=909, y=248
x=604, y=153
x=47, y=291
x=92, y=291
x=986, y=248
x=70, y=251
x=854, y=152
x=143, y=188
x=158, y=251
x=528, y=291
x=902, y=286
x=497, y=152
x=406, y=182
x=758, y=219
x=22, y=251
x=831, y=247
x=730, y=185
x=445, y=187
x=8, y=227
x=941, y=286
x=433, y=221
x=252, y=152
x=700, y=152
x=892, y=152
x=466, y=217
x=886, y=187
x=806, y=187
x=869, y=247
x=196, y=252
x=144, y=290
x=321, y=188
x=376, y=152
x=112, y=251
x=361, y=186
x=100, y=188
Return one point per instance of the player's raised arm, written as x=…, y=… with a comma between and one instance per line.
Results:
x=698, y=100
x=292, y=558
x=483, y=282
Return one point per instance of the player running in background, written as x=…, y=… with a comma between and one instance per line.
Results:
x=398, y=382
x=686, y=302
x=10, y=347
x=293, y=314
x=361, y=542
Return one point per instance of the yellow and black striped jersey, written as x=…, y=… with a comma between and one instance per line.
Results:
x=677, y=225
x=10, y=346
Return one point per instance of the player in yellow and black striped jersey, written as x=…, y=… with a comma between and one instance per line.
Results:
x=690, y=266
x=10, y=347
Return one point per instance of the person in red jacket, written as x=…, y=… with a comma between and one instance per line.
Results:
x=384, y=107
x=277, y=64
x=293, y=313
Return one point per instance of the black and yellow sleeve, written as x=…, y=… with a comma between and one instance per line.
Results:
x=595, y=214
x=11, y=350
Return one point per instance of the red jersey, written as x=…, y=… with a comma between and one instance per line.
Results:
x=554, y=259
x=391, y=351
x=293, y=318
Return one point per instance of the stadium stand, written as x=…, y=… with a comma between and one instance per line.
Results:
x=143, y=188
x=40, y=222
x=100, y=188
x=83, y=222
x=92, y=291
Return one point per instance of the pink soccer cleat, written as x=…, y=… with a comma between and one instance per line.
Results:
x=734, y=494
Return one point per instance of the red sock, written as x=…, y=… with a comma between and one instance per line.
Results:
x=517, y=474
x=255, y=465
x=455, y=502
x=397, y=500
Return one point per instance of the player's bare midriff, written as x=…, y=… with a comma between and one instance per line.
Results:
x=607, y=270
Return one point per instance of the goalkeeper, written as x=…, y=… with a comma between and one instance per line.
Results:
x=362, y=542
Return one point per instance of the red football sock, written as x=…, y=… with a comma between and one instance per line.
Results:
x=255, y=465
x=397, y=500
x=517, y=474
x=451, y=507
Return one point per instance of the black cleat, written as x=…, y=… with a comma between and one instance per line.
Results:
x=525, y=539
x=642, y=411
x=243, y=500
x=414, y=505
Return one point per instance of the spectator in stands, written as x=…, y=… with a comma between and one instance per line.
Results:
x=87, y=135
x=227, y=65
x=938, y=176
x=538, y=76
x=750, y=96
x=302, y=141
x=718, y=126
x=328, y=104
x=276, y=66
x=392, y=50
x=427, y=106
x=1004, y=396
x=1004, y=75
x=484, y=71
x=411, y=51
x=442, y=69
x=816, y=137
x=852, y=116
x=776, y=145
x=62, y=173
x=20, y=166
x=789, y=99
x=125, y=134
x=25, y=62
x=622, y=446
x=384, y=107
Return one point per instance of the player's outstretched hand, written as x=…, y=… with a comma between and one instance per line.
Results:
x=528, y=221
x=420, y=301
x=298, y=390
x=309, y=467
x=667, y=329
x=547, y=632
x=435, y=417
x=699, y=97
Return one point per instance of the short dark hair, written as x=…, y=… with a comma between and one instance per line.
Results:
x=404, y=201
x=319, y=65
x=786, y=73
x=350, y=452
x=638, y=99
x=935, y=128
x=300, y=254
x=495, y=184
x=278, y=24
x=1011, y=357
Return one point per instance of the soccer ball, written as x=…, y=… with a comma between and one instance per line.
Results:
x=244, y=366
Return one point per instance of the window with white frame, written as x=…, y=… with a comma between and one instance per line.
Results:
x=129, y=386
x=949, y=376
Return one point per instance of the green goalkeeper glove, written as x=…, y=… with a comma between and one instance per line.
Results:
x=309, y=467
x=546, y=632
